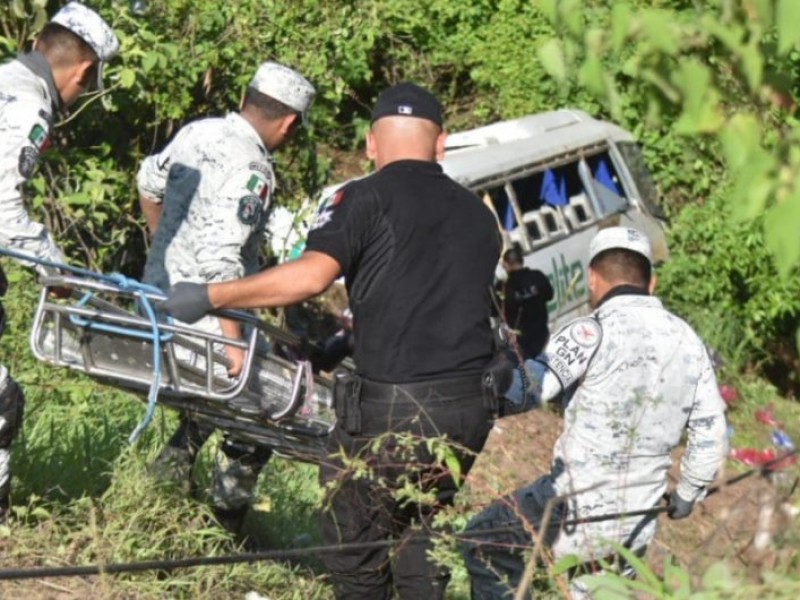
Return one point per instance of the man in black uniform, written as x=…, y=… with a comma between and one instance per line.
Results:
x=418, y=253
x=526, y=294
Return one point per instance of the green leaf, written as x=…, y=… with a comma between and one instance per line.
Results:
x=752, y=62
x=642, y=570
x=18, y=9
x=763, y=12
x=621, y=17
x=677, y=580
x=608, y=586
x=572, y=15
x=780, y=229
x=719, y=577
x=787, y=17
x=740, y=135
x=700, y=112
x=549, y=8
x=657, y=31
x=592, y=77
x=127, y=77
x=149, y=61
x=565, y=564
x=551, y=55
x=77, y=199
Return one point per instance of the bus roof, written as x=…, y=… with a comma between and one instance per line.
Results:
x=483, y=154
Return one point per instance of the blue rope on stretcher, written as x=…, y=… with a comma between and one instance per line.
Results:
x=139, y=290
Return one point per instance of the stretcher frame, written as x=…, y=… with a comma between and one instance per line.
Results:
x=99, y=331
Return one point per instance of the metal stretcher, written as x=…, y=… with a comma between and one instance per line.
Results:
x=102, y=331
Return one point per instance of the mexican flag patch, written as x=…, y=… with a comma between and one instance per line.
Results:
x=38, y=136
x=258, y=186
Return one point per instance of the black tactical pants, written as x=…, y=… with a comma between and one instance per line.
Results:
x=395, y=421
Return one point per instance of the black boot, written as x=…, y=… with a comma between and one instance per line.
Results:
x=231, y=519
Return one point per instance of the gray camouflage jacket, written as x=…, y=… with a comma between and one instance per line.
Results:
x=215, y=181
x=634, y=377
x=27, y=101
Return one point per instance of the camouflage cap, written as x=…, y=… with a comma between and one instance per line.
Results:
x=285, y=85
x=624, y=238
x=92, y=29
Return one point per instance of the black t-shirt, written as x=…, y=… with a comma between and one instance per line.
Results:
x=418, y=252
x=527, y=293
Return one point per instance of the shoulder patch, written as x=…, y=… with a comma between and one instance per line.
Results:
x=39, y=137
x=258, y=186
x=260, y=167
x=568, y=353
x=27, y=161
x=325, y=212
x=250, y=209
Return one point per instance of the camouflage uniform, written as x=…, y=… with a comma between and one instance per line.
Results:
x=634, y=376
x=29, y=101
x=215, y=182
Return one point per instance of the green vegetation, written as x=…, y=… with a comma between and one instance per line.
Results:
x=707, y=87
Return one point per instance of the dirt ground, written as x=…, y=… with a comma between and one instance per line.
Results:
x=519, y=450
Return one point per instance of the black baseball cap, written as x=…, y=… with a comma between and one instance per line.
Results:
x=407, y=100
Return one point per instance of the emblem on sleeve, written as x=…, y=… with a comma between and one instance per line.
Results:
x=249, y=209
x=337, y=198
x=325, y=212
x=38, y=137
x=258, y=186
x=27, y=161
x=568, y=353
x=585, y=332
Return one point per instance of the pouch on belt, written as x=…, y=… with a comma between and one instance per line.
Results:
x=347, y=400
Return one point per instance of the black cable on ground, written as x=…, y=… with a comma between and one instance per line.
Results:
x=230, y=559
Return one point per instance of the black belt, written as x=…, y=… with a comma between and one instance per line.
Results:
x=465, y=385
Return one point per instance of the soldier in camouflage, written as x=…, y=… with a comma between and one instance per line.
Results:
x=206, y=199
x=633, y=377
x=67, y=60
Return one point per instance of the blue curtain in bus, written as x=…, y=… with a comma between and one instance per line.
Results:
x=509, y=221
x=554, y=188
x=602, y=175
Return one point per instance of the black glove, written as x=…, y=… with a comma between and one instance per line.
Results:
x=187, y=301
x=678, y=508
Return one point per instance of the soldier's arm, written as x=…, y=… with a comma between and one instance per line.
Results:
x=151, y=180
x=561, y=365
x=151, y=211
x=23, y=142
x=707, y=444
x=235, y=355
x=282, y=285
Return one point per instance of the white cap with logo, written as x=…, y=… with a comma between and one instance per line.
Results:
x=624, y=238
x=92, y=29
x=284, y=85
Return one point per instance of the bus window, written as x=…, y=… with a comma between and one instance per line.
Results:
x=551, y=187
x=503, y=208
x=534, y=227
x=551, y=219
x=606, y=184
